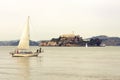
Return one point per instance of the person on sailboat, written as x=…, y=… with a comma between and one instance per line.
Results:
x=16, y=51
x=40, y=50
x=37, y=51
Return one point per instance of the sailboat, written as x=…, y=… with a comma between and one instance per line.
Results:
x=86, y=45
x=23, y=48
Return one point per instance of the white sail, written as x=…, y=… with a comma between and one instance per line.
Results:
x=24, y=41
x=23, y=46
x=86, y=45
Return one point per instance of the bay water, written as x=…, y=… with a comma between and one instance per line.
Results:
x=62, y=63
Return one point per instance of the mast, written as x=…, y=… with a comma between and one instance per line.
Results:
x=24, y=41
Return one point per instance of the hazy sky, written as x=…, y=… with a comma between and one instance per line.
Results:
x=51, y=18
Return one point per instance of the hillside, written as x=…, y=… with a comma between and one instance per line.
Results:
x=15, y=43
x=109, y=41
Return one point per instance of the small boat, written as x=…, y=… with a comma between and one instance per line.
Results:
x=23, y=49
x=86, y=45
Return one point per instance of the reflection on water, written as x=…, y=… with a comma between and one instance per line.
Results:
x=62, y=63
x=24, y=66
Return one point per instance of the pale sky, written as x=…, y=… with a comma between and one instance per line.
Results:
x=51, y=18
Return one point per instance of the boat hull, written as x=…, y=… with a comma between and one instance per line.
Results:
x=24, y=55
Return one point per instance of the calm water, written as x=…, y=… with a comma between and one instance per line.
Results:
x=62, y=63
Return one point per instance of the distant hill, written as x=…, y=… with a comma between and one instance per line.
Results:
x=15, y=43
x=109, y=41
x=102, y=37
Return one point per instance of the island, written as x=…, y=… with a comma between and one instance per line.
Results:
x=71, y=40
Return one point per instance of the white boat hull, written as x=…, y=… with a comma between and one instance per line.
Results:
x=24, y=55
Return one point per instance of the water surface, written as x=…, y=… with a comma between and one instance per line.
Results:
x=62, y=63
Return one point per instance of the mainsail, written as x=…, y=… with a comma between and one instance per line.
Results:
x=24, y=41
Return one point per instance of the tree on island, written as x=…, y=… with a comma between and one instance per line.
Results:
x=95, y=42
